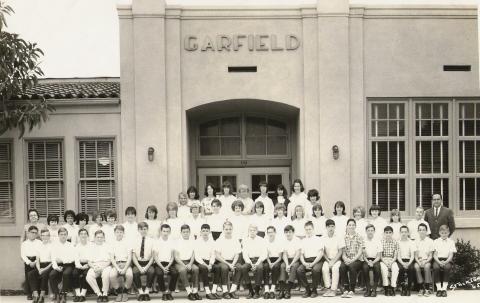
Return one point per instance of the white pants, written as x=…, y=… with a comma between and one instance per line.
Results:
x=92, y=279
x=333, y=283
x=114, y=278
x=394, y=276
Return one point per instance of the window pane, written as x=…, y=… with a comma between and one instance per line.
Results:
x=256, y=126
x=7, y=207
x=230, y=127
x=209, y=128
x=256, y=145
x=379, y=111
x=256, y=179
x=230, y=146
x=209, y=146
x=389, y=193
x=396, y=155
x=277, y=145
x=276, y=128
x=469, y=193
x=426, y=187
x=273, y=181
x=467, y=156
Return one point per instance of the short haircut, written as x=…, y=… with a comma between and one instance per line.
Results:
x=263, y=183
x=299, y=182
x=110, y=213
x=289, y=228
x=395, y=212
x=119, y=227
x=243, y=187
x=33, y=227
x=369, y=226
x=388, y=228
x=151, y=208
x=97, y=214
x=351, y=220
x=308, y=223
x=142, y=225
x=280, y=206
x=271, y=227
x=182, y=194
x=99, y=232
x=422, y=225
x=217, y=202
x=184, y=227
x=82, y=229
x=205, y=226
x=316, y=207
x=206, y=189
x=62, y=230
x=70, y=213
x=45, y=230
x=329, y=222
x=419, y=207
x=32, y=210
x=238, y=203
x=195, y=205
x=260, y=204
x=227, y=223
x=375, y=207
x=339, y=204
x=51, y=218
x=131, y=210
x=313, y=193
x=164, y=226
x=193, y=189
x=253, y=225
x=404, y=227
x=444, y=228
x=172, y=206
x=359, y=209
x=82, y=217
x=441, y=196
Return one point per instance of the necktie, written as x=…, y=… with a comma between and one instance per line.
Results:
x=142, y=248
x=436, y=212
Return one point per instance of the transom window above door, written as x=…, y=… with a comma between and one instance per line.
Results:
x=244, y=136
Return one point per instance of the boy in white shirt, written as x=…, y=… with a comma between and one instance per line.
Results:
x=423, y=260
x=406, y=256
x=43, y=260
x=205, y=258
x=272, y=264
x=63, y=258
x=311, y=260
x=183, y=208
x=99, y=263
x=254, y=252
x=164, y=251
x=333, y=252
x=265, y=199
x=413, y=224
x=444, y=248
x=291, y=255
x=121, y=258
x=142, y=258
x=372, y=254
x=388, y=262
x=185, y=263
x=82, y=254
x=28, y=252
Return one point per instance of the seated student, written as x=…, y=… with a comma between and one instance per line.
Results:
x=99, y=264
x=377, y=221
x=205, y=258
x=216, y=219
x=311, y=255
x=340, y=218
x=413, y=224
x=81, y=221
x=208, y=199
x=395, y=223
x=406, y=256
x=79, y=275
x=298, y=222
x=130, y=225
x=318, y=219
x=238, y=220
x=28, y=252
x=121, y=258
x=63, y=258
x=272, y=263
x=72, y=229
x=280, y=220
x=387, y=263
x=164, y=251
x=151, y=215
x=109, y=227
x=372, y=254
x=185, y=263
x=183, y=207
x=254, y=253
x=195, y=220
x=33, y=220
x=352, y=259
x=423, y=260
x=313, y=198
x=243, y=194
x=444, y=248
x=227, y=251
x=265, y=199
x=333, y=250
x=52, y=221
x=142, y=258
x=98, y=219
x=173, y=220
x=43, y=261
x=291, y=255
x=359, y=216
x=259, y=218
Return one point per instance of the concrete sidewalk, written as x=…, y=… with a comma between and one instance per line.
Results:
x=457, y=296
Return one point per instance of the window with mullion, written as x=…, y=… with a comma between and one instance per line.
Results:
x=7, y=208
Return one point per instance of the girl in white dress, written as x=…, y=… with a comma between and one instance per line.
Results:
x=280, y=220
x=298, y=197
x=340, y=219
x=359, y=216
x=72, y=229
x=227, y=199
x=172, y=220
x=153, y=223
x=206, y=202
x=193, y=196
x=260, y=219
x=313, y=198
x=243, y=194
x=298, y=222
x=376, y=220
x=395, y=223
x=318, y=219
x=98, y=218
x=281, y=197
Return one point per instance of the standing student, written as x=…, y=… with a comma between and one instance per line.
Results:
x=298, y=222
x=311, y=255
x=173, y=220
x=28, y=252
x=33, y=220
x=298, y=197
x=216, y=219
x=265, y=199
x=243, y=194
x=208, y=199
x=43, y=263
x=192, y=196
x=291, y=255
x=254, y=253
x=260, y=219
x=406, y=256
x=98, y=219
x=79, y=274
x=372, y=254
x=318, y=219
x=130, y=225
x=72, y=229
x=185, y=263
x=183, y=211
x=281, y=196
x=205, y=258
x=395, y=223
x=53, y=227
x=81, y=221
x=280, y=220
x=352, y=259
x=375, y=211
x=121, y=258
x=109, y=227
x=334, y=246
x=444, y=248
x=313, y=198
x=195, y=220
x=359, y=216
x=142, y=258
x=99, y=263
x=413, y=224
x=151, y=218
x=63, y=263
x=272, y=263
x=227, y=198
x=238, y=220
x=340, y=218
x=388, y=261
x=227, y=252
x=164, y=251
x=423, y=260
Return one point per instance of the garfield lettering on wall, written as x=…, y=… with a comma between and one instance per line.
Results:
x=250, y=42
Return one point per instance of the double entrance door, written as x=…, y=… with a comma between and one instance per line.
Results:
x=250, y=176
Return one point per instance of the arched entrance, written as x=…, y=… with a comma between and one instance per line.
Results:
x=244, y=142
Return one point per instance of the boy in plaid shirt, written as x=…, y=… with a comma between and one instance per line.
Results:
x=387, y=263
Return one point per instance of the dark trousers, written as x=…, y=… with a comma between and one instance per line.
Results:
x=223, y=269
x=28, y=269
x=65, y=276
x=203, y=273
x=78, y=278
x=216, y=234
x=366, y=273
x=441, y=274
x=39, y=281
x=258, y=272
x=406, y=276
x=273, y=273
x=316, y=273
x=292, y=275
x=183, y=273
x=173, y=273
x=351, y=270
x=136, y=275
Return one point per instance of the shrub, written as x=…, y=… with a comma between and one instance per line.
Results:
x=467, y=265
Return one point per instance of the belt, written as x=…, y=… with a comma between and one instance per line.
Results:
x=32, y=258
x=65, y=264
x=143, y=263
x=370, y=259
x=442, y=259
x=310, y=259
x=44, y=264
x=405, y=260
x=273, y=259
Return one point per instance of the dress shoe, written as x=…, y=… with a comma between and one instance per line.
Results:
x=287, y=295
x=169, y=297
x=280, y=295
x=256, y=295
x=217, y=296
x=439, y=293
x=233, y=295
x=146, y=297
x=191, y=297
x=226, y=296
x=444, y=294
x=197, y=296
x=210, y=297
x=29, y=297
x=314, y=293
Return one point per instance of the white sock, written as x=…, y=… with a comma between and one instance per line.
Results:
x=140, y=291
x=83, y=292
x=266, y=288
x=188, y=289
x=233, y=288
x=195, y=290
x=272, y=288
x=445, y=284
x=439, y=286
x=147, y=291
x=77, y=292
x=207, y=290
x=224, y=288
x=214, y=288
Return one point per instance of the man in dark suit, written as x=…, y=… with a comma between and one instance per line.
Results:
x=439, y=215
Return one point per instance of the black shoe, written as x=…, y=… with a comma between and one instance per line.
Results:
x=140, y=297
x=444, y=294
x=169, y=297
x=76, y=299
x=386, y=291
x=257, y=294
x=226, y=296
x=439, y=293
x=280, y=295
x=29, y=297
x=271, y=295
x=392, y=291
x=250, y=294
x=191, y=297
x=307, y=293
x=266, y=295
x=100, y=299
x=146, y=297
x=373, y=292
x=367, y=293
x=197, y=296
x=164, y=297
x=233, y=295
x=211, y=297
x=217, y=296
x=314, y=293
x=287, y=295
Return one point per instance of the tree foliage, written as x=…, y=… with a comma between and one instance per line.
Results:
x=19, y=71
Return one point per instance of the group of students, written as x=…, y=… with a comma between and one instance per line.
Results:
x=277, y=240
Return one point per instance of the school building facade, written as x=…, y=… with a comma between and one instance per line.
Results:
x=367, y=104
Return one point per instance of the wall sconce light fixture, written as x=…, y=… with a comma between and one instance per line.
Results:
x=151, y=151
x=335, y=152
